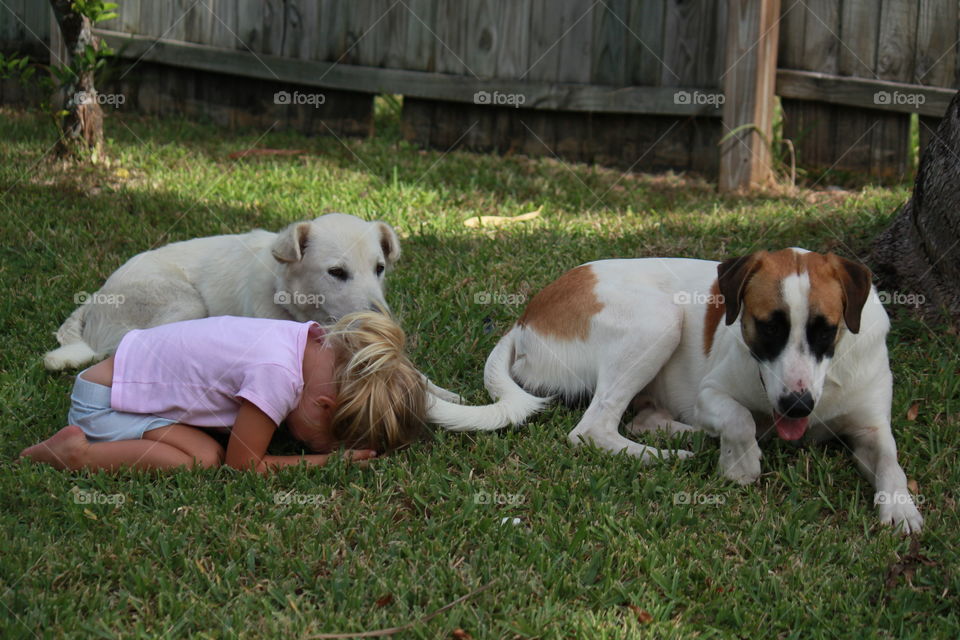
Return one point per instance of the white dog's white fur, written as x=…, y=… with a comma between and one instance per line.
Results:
x=642, y=332
x=317, y=270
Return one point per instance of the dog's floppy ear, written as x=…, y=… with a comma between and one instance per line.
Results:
x=855, y=280
x=389, y=242
x=291, y=242
x=732, y=277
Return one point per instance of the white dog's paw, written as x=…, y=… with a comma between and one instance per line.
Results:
x=740, y=463
x=897, y=509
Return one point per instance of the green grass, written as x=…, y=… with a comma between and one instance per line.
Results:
x=210, y=554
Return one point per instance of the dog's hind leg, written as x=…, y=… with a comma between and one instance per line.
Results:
x=651, y=419
x=139, y=305
x=632, y=360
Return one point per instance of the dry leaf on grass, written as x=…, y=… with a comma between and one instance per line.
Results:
x=913, y=411
x=499, y=221
x=643, y=616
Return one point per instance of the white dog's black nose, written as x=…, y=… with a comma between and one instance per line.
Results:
x=798, y=404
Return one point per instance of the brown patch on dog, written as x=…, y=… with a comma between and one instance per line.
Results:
x=715, y=311
x=763, y=296
x=564, y=307
x=826, y=292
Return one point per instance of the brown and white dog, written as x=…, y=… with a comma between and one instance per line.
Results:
x=801, y=351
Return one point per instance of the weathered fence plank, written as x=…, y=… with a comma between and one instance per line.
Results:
x=751, y=60
x=936, y=62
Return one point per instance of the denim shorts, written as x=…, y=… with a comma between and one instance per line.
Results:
x=90, y=410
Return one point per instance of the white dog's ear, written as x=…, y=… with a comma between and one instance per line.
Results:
x=389, y=242
x=291, y=242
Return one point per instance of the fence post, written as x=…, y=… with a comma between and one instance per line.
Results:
x=748, y=86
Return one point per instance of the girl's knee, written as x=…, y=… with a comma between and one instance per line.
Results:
x=209, y=456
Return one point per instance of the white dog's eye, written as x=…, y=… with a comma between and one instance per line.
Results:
x=338, y=273
x=379, y=269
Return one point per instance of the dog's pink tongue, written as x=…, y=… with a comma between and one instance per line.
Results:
x=790, y=428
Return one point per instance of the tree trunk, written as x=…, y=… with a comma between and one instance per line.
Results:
x=918, y=257
x=82, y=125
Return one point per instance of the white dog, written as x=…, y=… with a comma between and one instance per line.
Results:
x=802, y=351
x=318, y=270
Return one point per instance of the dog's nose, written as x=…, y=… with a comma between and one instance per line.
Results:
x=798, y=404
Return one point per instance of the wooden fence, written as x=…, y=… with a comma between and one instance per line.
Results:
x=634, y=83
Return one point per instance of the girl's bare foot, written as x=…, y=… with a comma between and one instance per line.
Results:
x=63, y=450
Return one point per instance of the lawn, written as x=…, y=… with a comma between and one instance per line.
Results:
x=604, y=548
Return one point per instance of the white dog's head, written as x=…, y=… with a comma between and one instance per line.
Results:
x=333, y=266
x=796, y=307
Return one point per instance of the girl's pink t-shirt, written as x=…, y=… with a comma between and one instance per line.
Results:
x=197, y=372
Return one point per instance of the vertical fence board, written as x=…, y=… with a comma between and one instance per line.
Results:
x=644, y=46
x=936, y=61
x=451, y=30
x=302, y=19
x=547, y=25
x=852, y=144
x=608, y=60
x=896, y=54
x=249, y=31
x=331, y=38
x=608, y=67
x=751, y=62
x=419, y=54
x=272, y=20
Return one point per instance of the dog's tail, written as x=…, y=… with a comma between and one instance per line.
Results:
x=75, y=352
x=513, y=405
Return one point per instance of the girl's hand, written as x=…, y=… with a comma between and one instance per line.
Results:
x=360, y=456
x=251, y=434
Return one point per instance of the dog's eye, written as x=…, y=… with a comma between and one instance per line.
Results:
x=771, y=337
x=771, y=328
x=821, y=336
x=338, y=273
x=379, y=269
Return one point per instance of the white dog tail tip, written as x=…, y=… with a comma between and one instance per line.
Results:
x=69, y=356
x=513, y=405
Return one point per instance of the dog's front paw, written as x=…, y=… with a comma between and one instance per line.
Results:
x=897, y=509
x=740, y=462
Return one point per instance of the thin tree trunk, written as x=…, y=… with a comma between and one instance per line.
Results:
x=82, y=126
x=919, y=254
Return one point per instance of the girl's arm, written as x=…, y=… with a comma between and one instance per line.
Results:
x=251, y=434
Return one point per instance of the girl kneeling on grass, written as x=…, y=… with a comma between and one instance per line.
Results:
x=151, y=405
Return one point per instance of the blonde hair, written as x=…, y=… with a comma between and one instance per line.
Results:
x=381, y=397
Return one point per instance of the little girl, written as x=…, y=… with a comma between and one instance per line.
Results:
x=152, y=404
